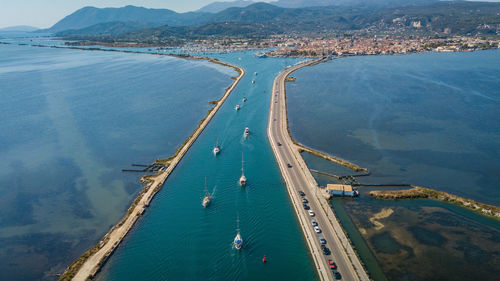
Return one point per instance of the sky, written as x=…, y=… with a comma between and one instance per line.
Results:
x=45, y=13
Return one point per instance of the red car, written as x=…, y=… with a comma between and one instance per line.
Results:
x=332, y=265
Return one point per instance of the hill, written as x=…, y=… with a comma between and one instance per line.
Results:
x=21, y=28
x=261, y=20
x=90, y=16
x=216, y=7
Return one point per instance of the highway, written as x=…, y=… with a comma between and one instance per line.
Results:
x=298, y=177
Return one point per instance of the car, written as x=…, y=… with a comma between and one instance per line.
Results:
x=322, y=240
x=311, y=213
x=288, y=165
x=304, y=200
x=332, y=265
x=279, y=143
x=317, y=229
x=301, y=193
x=306, y=207
x=337, y=275
x=325, y=250
x=314, y=223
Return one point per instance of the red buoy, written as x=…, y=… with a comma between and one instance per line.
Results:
x=264, y=259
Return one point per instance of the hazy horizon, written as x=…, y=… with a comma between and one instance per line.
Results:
x=38, y=14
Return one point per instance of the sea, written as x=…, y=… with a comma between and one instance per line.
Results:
x=429, y=119
x=71, y=120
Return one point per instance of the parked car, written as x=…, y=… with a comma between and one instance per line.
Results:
x=317, y=229
x=301, y=193
x=314, y=223
x=306, y=207
x=288, y=165
x=322, y=240
x=311, y=213
x=337, y=275
x=304, y=200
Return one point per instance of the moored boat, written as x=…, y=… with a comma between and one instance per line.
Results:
x=237, y=107
x=246, y=132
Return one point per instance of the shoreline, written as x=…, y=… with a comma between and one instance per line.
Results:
x=417, y=192
x=340, y=238
x=90, y=262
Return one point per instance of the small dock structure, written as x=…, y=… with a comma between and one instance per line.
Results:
x=341, y=190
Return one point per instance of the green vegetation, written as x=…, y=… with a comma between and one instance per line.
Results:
x=422, y=192
x=261, y=20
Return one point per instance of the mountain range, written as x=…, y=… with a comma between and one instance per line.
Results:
x=262, y=20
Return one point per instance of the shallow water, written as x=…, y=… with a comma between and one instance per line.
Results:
x=177, y=239
x=71, y=120
x=429, y=119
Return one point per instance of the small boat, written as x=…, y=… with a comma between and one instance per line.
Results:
x=243, y=179
x=244, y=99
x=238, y=241
x=246, y=132
x=208, y=197
x=237, y=107
x=253, y=81
x=264, y=260
x=255, y=73
x=216, y=148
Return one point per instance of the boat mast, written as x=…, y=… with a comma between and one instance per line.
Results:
x=242, y=167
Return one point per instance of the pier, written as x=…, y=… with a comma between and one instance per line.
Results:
x=87, y=266
x=298, y=178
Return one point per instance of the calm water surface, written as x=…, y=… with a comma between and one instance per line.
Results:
x=177, y=239
x=71, y=120
x=428, y=119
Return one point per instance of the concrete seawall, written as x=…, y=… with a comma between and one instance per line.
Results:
x=91, y=261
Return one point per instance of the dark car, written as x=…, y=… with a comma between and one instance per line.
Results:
x=337, y=275
x=279, y=143
x=322, y=240
x=304, y=200
x=325, y=250
x=306, y=207
x=288, y=165
x=302, y=193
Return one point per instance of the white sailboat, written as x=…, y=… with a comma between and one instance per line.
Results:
x=216, y=148
x=243, y=179
x=208, y=197
x=238, y=241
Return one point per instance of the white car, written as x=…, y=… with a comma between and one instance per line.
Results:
x=311, y=213
x=317, y=229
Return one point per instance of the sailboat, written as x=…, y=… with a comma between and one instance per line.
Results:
x=238, y=241
x=208, y=197
x=243, y=179
x=216, y=148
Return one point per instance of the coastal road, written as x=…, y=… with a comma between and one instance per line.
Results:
x=298, y=177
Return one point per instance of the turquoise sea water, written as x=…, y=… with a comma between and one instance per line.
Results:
x=70, y=121
x=429, y=119
x=177, y=239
